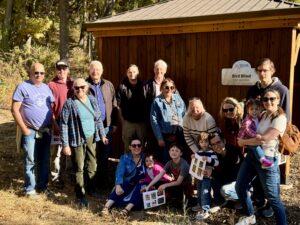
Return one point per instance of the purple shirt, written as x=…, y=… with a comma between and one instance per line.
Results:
x=36, y=104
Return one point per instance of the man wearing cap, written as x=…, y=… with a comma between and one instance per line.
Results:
x=61, y=87
x=104, y=92
x=31, y=109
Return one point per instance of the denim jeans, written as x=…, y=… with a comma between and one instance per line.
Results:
x=36, y=160
x=270, y=181
x=203, y=190
x=258, y=152
x=228, y=192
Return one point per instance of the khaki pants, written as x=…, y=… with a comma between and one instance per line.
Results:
x=130, y=130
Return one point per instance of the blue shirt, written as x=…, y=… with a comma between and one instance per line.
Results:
x=100, y=100
x=87, y=118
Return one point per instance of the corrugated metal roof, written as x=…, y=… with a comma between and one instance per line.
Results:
x=195, y=8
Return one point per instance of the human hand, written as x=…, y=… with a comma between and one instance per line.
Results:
x=105, y=140
x=240, y=142
x=119, y=189
x=161, y=188
x=67, y=150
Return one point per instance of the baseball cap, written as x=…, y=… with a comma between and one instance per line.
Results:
x=62, y=62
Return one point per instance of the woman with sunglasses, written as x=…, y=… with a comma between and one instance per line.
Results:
x=231, y=114
x=271, y=126
x=166, y=119
x=127, y=191
x=80, y=127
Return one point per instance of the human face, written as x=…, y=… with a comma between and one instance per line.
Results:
x=135, y=147
x=37, y=74
x=168, y=89
x=270, y=102
x=175, y=153
x=217, y=144
x=159, y=72
x=254, y=111
x=203, y=144
x=80, y=89
x=62, y=72
x=132, y=73
x=149, y=161
x=96, y=72
x=265, y=74
x=229, y=110
x=196, y=109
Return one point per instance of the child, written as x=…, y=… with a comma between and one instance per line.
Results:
x=248, y=130
x=153, y=169
x=178, y=168
x=204, y=185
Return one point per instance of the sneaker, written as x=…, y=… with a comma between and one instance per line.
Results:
x=266, y=163
x=246, y=220
x=83, y=202
x=105, y=211
x=32, y=194
x=196, y=208
x=267, y=212
x=214, y=209
x=202, y=215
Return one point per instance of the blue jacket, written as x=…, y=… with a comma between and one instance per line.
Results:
x=126, y=168
x=161, y=115
x=71, y=127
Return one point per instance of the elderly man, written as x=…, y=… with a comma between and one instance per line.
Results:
x=61, y=87
x=132, y=104
x=104, y=92
x=31, y=109
x=80, y=126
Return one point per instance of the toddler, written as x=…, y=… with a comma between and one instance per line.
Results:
x=248, y=130
x=204, y=185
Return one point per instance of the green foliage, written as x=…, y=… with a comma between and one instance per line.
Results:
x=79, y=62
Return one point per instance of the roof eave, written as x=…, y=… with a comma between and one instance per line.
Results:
x=288, y=12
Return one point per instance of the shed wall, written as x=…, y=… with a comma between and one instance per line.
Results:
x=195, y=60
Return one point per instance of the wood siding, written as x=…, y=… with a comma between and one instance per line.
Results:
x=195, y=60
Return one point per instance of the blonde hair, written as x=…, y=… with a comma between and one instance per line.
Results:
x=203, y=136
x=279, y=111
x=194, y=100
x=236, y=104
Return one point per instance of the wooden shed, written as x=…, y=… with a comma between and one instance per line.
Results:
x=198, y=38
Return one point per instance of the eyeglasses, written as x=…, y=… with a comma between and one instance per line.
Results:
x=217, y=143
x=262, y=70
x=228, y=110
x=266, y=99
x=169, y=87
x=136, y=145
x=39, y=73
x=79, y=87
x=61, y=68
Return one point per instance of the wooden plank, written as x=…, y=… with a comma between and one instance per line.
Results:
x=195, y=27
x=179, y=74
x=124, y=58
x=151, y=57
x=142, y=57
x=190, y=66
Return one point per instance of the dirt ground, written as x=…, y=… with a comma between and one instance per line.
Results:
x=62, y=208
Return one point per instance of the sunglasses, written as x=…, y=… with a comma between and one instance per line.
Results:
x=136, y=145
x=266, y=99
x=61, y=68
x=169, y=87
x=79, y=87
x=39, y=73
x=228, y=110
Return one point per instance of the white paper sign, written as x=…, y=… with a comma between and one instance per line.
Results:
x=241, y=73
x=153, y=198
x=197, y=167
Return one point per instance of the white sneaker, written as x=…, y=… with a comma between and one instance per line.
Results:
x=202, y=215
x=247, y=220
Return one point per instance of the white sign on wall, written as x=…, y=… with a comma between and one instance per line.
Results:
x=241, y=73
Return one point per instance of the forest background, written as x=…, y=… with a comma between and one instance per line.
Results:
x=48, y=30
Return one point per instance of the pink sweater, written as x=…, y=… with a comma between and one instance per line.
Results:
x=156, y=169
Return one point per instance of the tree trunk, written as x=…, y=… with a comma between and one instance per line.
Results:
x=63, y=29
x=6, y=30
x=109, y=7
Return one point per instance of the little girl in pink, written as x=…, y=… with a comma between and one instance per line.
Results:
x=153, y=169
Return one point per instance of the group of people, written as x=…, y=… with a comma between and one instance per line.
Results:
x=160, y=137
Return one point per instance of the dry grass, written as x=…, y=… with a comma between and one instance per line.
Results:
x=63, y=210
